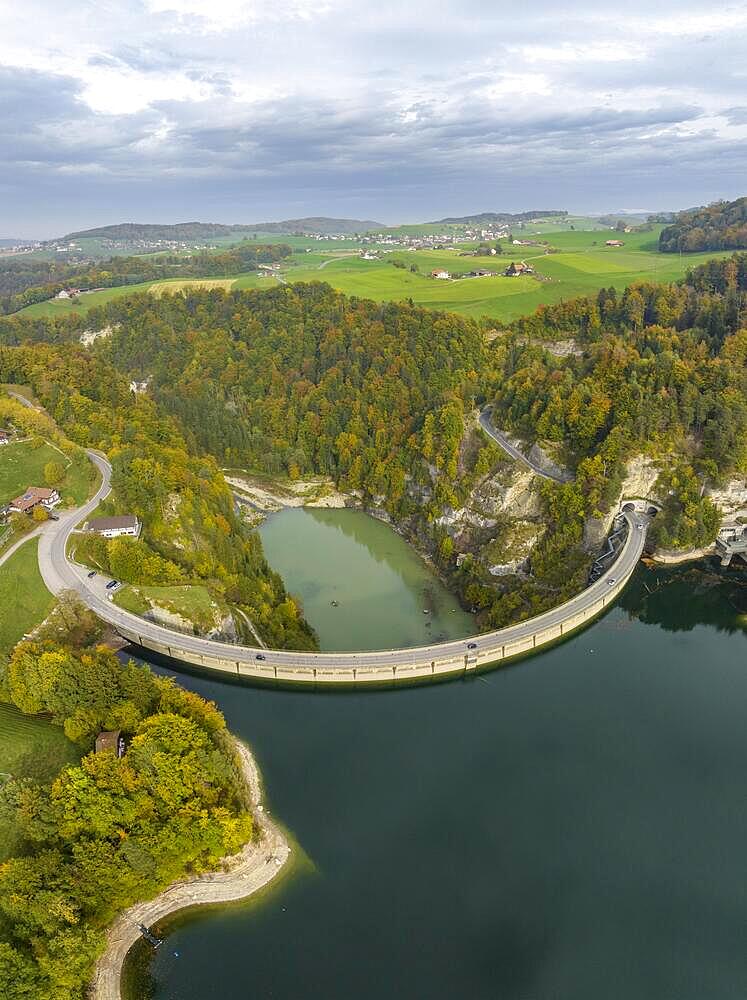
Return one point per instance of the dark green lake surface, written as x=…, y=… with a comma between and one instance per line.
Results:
x=361, y=585
x=573, y=827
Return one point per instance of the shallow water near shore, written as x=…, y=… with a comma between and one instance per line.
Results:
x=570, y=828
x=361, y=585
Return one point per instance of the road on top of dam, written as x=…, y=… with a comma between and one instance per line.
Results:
x=60, y=574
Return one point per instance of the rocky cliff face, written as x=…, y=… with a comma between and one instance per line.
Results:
x=731, y=499
x=500, y=522
x=641, y=474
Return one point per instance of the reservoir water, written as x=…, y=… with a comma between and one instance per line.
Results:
x=573, y=827
x=361, y=585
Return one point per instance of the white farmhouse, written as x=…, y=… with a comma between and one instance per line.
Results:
x=115, y=527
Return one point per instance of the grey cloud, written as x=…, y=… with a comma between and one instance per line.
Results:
x=381, y=111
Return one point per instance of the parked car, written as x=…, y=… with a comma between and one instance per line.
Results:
x=92, y=574
x=112, y=584
x=611, y=581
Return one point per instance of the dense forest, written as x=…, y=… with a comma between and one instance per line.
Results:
x=662, y=370
x=299, y=380
x=25, y=279
x=191, y=533
x=721, y=226
x=108, y=831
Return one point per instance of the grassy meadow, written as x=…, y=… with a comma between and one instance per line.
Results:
x=22, y=465
x=24, y=600
x=581, y=265
x=89, y=300
x=191, y=602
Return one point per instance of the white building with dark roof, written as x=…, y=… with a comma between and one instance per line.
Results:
x=115, y=527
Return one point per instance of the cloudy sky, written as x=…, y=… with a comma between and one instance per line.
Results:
x=395, y=110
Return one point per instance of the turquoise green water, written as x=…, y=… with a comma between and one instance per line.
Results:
x=361, y=585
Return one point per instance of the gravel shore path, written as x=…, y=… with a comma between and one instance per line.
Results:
x=242, y=874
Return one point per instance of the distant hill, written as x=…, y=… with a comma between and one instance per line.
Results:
x=187, y=231
x=317, y=225
x=499, y=217
x=720, y=226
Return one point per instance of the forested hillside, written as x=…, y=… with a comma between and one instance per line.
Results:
x=301, y=380
x=25, y=280
x=721, y=226
x=191, y=532
x=109, y=830
x=663, y=369
x=298, y=380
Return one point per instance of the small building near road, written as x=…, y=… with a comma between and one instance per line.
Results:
x=115, y=527
x=112, y=740
x=440, y=274
x=614, y=243
x=34, y=497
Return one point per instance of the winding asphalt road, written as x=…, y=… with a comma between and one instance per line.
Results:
x=60, y=574
x=500, y=438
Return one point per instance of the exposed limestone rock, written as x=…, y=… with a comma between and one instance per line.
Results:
x=269, y=495
x=563, y=348
x=515, y=494
x=596, y=530
x=731, y=499
x=226, y=631
x=641, y=474
x=508, y=553
x=507, y=569
x=542, y=460
x=89, y=336
x=162, y=616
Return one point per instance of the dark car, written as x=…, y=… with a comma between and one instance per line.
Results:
x=92, y=574
x=112, y=584
x=471, y=645
x=260, y=656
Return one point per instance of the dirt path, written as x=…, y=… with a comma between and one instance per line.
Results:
x=242, y=875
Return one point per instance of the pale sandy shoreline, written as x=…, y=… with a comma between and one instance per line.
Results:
x=255, y=866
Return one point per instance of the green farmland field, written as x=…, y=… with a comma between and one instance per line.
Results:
x=89, y=300
x=579, y=264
